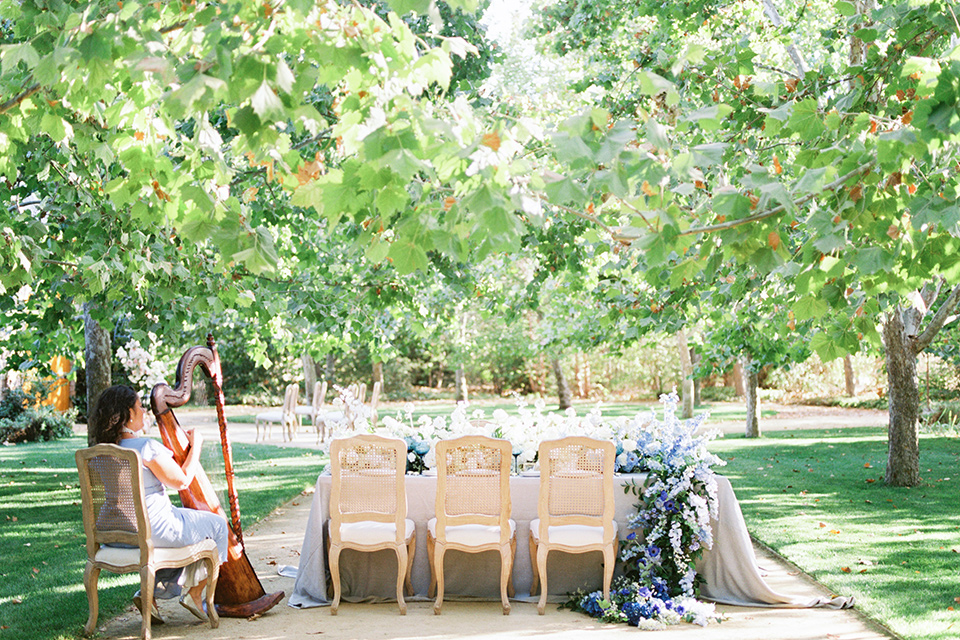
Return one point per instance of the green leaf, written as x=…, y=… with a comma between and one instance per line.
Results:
x=265, y=102
x=54, y=126
x=407, y=256
x=873, y=259
x=809, y=307
x=13, y=54
x=826, y=348
x=867, y=35
x=805, y=119
x=846, y=9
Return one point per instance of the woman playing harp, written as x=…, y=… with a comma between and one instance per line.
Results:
x=117, y=418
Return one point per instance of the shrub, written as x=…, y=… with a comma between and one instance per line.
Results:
x=22, y=421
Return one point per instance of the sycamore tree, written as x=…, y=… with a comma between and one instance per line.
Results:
x=819, y=144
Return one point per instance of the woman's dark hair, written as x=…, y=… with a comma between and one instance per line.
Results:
x=111, y=413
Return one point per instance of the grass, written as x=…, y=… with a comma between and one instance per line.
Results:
x=41, y=529
x=817, y=497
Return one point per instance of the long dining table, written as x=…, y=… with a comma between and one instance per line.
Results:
x=729, y=569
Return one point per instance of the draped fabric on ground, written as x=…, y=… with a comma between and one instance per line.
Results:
x=740, y=582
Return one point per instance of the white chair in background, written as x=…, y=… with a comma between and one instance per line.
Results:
x=286, y=416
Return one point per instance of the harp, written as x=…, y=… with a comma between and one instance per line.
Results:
x=239, y=593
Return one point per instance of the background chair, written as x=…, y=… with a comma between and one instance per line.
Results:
x=111, y=488
x=286, y=416
x=368, y=505
x=472, y=508
x=315, y=409
x=575, y=507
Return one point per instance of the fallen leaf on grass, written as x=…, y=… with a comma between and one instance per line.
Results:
x=868, y=563
x=834, y=531
x=863, y=570
x=870, y=480
x=845, y=569
x=956, y=599
x=867, y=466
x=17, y=600
x=822, y=525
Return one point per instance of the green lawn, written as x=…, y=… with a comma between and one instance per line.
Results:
x=817, y=497
x=42, y=543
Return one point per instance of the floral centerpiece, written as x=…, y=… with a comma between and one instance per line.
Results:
x=675, y=506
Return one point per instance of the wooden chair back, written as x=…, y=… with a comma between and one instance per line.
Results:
x=367, y=482
x=473, y=484
x=576, y=484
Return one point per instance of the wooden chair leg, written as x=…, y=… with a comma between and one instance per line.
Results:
x=401, y=577
x=213, y=574
x=511, y=592
x=432, y=589
x=147, y=582
x=335, y=578
x=411, y=552
x=609, y=559
x=506, y=568
x=535, y=582
x=91, y=575
x=542, y=565
x=438, y=570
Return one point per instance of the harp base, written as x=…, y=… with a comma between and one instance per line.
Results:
x=253, y=608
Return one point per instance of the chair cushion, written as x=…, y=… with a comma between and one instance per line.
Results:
x=367, y=532
x=125, y=557
x=471, y=535
x=270, y=416
x=571, y=535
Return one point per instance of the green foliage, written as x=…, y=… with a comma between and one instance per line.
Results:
x=22, y=419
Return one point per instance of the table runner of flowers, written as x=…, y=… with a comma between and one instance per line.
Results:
x=659, y=582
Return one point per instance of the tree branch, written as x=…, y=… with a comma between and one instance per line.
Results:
x=939, y=319
x=779, y=208
x=14, y=101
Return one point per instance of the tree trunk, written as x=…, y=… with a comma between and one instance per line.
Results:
x=750, y=383
x=563, y=388
x=309, y=376
x=330, y=370
x=461, y=385
x=198, y=393
x=903, y=446
x=587, y=384
x=848, y=376
x=378, y=373
x=695, y=359
x=96, y=355
x=738, y=379
x=686, y=373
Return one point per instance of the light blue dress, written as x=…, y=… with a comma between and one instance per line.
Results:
x=173, y=526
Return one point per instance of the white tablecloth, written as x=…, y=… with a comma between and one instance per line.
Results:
x=729, y=569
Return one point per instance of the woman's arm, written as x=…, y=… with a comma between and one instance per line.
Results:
x=175, y=476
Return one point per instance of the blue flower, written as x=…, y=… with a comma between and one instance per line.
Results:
x=591, y=604
x=632, y=535
x=644, y=593
x=421, y=448
x=653, y=552
x=634, y=612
